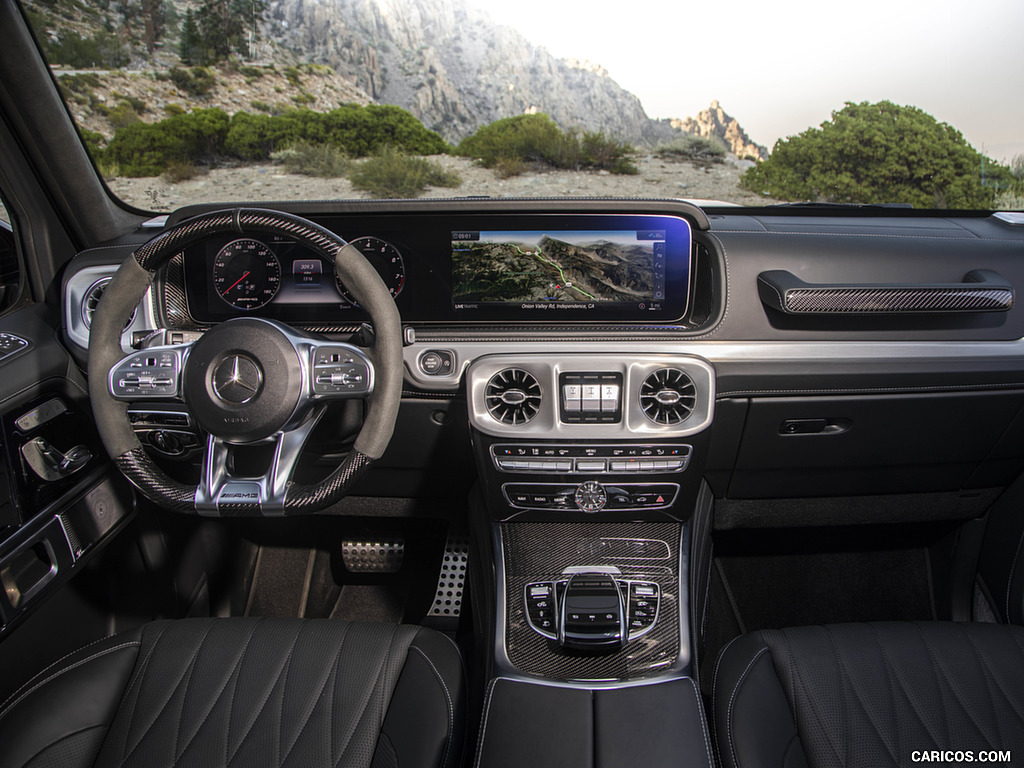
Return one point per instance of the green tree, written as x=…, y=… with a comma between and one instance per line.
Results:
x=153, y=23
x=224, y=27
x=189, y=44
x=879, y=153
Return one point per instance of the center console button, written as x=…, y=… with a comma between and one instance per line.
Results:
x=590, y=465
x=572, y=393
x=591, y=496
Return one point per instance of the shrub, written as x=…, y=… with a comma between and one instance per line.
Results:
x=80, y=83
x=104, y=49
x=537, y=139
x=293, y=76
x=308, y=159
x=197, y=81
x=393, y=174
x=262, y=106
x=251, y=73
x=356, y=131
x=1017, y=167
x=527, y=137
x=122, y=116
x=507, y=166
x=174, y=109
x=302, y=98
x=697, y=149
x=94, y=142
x=138, y=105
x=873, y=153
x=147, y=149
x=181, y=170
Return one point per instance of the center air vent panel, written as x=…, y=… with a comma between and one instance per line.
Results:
x=513, y=396
x=517, y=395
x=668, y=396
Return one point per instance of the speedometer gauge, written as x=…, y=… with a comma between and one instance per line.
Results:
x=246, y=274
x=386, y=259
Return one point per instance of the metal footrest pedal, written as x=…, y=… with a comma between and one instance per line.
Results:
x=377, y=556
x=451, y=584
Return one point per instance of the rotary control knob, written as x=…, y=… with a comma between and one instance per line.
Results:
x=590, y=496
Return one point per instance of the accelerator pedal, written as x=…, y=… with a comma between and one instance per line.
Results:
x=377, y=556
x=451, y=585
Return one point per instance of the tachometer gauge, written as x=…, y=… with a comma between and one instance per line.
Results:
x=246, y=274
x=386, y=260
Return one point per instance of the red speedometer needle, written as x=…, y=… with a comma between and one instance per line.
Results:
x=235, y=283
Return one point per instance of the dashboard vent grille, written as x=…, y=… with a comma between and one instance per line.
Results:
x=513, y=396
x=92, y=299
x=668, y=396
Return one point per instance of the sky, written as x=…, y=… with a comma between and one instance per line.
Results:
x=781, y=67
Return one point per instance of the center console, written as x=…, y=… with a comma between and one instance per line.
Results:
x=590, y=468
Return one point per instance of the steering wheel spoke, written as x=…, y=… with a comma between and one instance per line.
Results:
x=221, y=493
x=151, y=373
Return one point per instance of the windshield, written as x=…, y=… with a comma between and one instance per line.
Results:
x=185, y=101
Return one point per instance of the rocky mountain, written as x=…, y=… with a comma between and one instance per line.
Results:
x=454, y=68
x=714, y=122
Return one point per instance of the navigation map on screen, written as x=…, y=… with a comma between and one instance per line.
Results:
x=555, y=267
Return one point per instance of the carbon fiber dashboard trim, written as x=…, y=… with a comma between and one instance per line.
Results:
x=541, y=551
x=884, y=300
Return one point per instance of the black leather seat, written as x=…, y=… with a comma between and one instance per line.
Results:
x=883, y=694
x=244, y=692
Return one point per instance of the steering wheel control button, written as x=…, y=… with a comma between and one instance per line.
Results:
x=237, y=379
x=590, y=496
x=340, y=371
x=437, y=362
x=150, y=373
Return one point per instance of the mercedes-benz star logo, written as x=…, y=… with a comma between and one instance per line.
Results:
x=237, y=379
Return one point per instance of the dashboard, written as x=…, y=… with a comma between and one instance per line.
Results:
x=495, y=299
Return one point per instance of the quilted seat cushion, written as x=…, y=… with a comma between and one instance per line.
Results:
x=869, y=695
x=246, y=692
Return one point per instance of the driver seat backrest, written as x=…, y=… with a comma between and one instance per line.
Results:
x=860, y=695
x=245, y=692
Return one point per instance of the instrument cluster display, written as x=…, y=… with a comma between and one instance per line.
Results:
x=456, y=268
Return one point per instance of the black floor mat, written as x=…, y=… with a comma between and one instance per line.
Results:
x=304, y=575
x=770, y=579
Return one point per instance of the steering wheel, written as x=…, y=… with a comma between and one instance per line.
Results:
x=247, y=380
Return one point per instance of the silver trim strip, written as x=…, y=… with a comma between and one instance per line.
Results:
x=467, y=352
x=547, y=367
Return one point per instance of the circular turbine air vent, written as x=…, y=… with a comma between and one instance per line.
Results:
x=668, y=396
x=92, y=299
x=513, y=396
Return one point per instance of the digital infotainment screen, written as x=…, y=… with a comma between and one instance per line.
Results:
x=574, y=269
x=638, y=267
x=464, y=268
